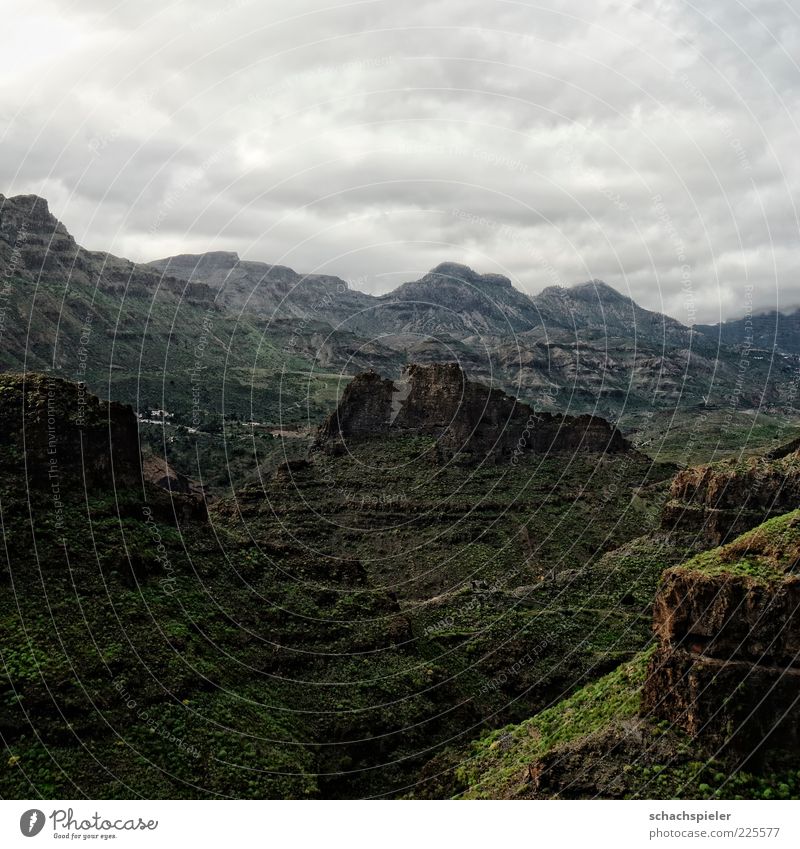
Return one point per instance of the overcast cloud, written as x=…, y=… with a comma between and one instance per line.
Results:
x=651, y=144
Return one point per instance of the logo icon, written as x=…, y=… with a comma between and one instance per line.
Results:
x=31, y=822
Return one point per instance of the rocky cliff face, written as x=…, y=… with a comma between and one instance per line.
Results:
x=454, y=299
x=723, y=500
x=55, y=432
x=64, y=442
x=726, y=670
x=468, y=419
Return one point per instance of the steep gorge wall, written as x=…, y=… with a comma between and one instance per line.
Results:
x=58, y=438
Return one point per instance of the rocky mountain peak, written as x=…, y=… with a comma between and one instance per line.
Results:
x=197, y=267
x=29, y=232
x=456, y=272
x=598, y=290
x=36, y=246
x=592, y=291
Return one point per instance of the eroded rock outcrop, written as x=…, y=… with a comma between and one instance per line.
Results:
x=188, y=496
x=52, y=430
x=59, y=439
x=158, y=471
x=723, y=500
x=469, y=420
x=727, y=668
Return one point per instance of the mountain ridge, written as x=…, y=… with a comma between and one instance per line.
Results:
x=195, y=266
x=584, y=349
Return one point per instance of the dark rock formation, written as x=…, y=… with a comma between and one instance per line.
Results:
x=728, y=623
x=53, y=431
x=189, y=499
x=723, y=500
x=468, y=419
x=66, y=442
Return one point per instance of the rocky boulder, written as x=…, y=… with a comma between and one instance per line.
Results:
x=158, y=471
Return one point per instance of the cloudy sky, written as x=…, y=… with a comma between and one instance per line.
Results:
x=651, y=144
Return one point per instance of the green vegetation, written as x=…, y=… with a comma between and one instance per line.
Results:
x=694, y=436
x=766, y=554
x=497, y=759
x=265, y=652
x=622, y=753
x=158, y=348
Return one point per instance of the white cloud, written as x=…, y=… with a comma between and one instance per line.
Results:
x=344, y=138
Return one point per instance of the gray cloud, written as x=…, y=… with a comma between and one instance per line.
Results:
x=651, y=144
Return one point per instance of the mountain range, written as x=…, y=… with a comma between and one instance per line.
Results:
x=271, y=344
